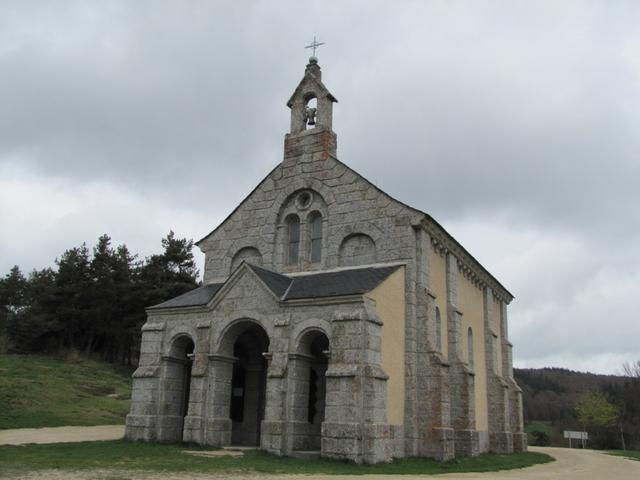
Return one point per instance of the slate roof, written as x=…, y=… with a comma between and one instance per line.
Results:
x=344, y=282
x=276, y=282
x=314, y=285
x=193, y=298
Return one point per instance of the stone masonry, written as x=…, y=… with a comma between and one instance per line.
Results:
x=283, y=346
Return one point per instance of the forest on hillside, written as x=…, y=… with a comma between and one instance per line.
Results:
x=606, y=406
x=93, y=302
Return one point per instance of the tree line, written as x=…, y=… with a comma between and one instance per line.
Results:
x=92, y=302
x=605, y=406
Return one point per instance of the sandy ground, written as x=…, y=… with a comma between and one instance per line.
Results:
x=569, y=465
x=22, y=436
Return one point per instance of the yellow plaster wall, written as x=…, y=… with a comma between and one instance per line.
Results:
x=438, y=279
x=497, y=324
x=390, y=305
x=470, y=302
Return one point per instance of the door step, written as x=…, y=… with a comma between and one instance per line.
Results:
x=238, y=448
x=306, y=454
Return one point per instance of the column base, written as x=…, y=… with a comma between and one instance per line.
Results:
x=170, y=428
x=141, y=428
x=193, y=429
x=272, y=438
x=519, y=442
x=467, y=443
x=368, y=443
x=218, y=432
x=440, y=444
x=501, y=442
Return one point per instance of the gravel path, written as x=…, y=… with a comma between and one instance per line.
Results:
x=22, y=436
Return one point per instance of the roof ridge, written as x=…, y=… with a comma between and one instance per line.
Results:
x=286, y=292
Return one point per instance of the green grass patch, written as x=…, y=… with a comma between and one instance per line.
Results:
x=123, y=455
x=46, y=392
x=627, y=454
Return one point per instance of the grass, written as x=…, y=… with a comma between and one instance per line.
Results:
x=45, y=392
x=123, y=455
x=627, y=454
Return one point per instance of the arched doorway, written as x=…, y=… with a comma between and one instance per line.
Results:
x=248, y=383
x=310, y=368
x=178, y=382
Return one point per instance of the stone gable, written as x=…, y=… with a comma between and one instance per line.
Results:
x=378, y=226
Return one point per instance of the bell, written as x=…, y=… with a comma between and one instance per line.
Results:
x=310, y=115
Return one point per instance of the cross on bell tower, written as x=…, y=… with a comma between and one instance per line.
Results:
x=315, y=44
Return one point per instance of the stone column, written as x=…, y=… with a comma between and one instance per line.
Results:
x=440, y=437
x=218, y=423
x=500, y=439
x=355, y=425
x=462, y=385
x=300, y=431
x=194, y=423
x=142, y=421
x=272, y=431
x=514, y=419
x=171, y=398
x=434, y=432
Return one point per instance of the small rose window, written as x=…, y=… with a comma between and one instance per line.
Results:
x=304, y=199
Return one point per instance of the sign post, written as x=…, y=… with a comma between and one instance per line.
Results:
x=584, y=436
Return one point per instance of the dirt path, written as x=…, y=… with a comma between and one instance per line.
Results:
x=22, y=436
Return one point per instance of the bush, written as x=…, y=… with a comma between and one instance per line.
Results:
x=540, y=438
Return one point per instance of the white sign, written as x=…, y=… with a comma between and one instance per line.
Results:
x=576, y=435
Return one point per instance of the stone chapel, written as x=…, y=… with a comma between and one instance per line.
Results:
x=333, y=321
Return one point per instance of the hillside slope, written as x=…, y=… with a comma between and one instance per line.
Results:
x=551, y=394
x=45, y=392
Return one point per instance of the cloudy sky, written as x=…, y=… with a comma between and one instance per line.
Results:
x=515, y=124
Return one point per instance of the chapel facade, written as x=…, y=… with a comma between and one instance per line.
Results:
x=333, y=321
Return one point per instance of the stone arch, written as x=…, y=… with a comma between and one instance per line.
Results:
x=181, y=345
x=175, y=334
x=293, y=205
x=357, y=249
x=245, y=243
x=242, y=364
x=308, y=368
x=175, y=389
x=247, y=254
x=311, y=110
x=300, y=329
x=306, y=184
x=230, y=330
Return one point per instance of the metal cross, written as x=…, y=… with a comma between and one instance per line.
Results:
x=315, y=44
